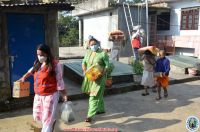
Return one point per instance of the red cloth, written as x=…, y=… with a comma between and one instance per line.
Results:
x=44, y=83
x=135, y=43
x=164, y=81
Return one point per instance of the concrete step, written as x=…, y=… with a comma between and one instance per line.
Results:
x=122, y=73
x=26, y=102
x=180, y=63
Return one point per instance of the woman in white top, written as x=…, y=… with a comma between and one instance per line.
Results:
x=148, y=72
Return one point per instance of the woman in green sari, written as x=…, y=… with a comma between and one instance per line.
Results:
x=95, y=56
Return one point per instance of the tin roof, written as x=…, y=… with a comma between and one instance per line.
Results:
x=52, y=5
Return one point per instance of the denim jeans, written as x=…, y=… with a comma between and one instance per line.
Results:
x=136, y=54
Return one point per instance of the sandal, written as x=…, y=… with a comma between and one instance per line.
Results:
x=158, y=98
x=35, y=126
x=88, y=119
x=166, y=95
x=145, y=94
x=98, y=113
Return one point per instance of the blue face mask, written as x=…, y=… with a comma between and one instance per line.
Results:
x=94, y=47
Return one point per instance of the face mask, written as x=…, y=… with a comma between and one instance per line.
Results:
x=94, y=47
x=42, y=58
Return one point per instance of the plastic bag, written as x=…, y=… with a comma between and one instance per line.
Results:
x=67, y=114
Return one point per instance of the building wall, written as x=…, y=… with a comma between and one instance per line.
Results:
x=5, y=90
x=51, y=39
x=99, y=25
x=127, y=49
x=176, y=18
x=185, y=40
x=51, y=31
x=90, y=6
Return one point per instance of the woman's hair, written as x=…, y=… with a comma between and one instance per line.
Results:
x=97, y=42
x=93, y=39
x=49, y=62
x=150, y=57
x=148, y=53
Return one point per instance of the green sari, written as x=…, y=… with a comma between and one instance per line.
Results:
x=95, y=88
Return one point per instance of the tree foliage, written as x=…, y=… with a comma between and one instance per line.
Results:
x=68, y=30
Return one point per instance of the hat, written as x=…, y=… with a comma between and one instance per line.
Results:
x=136, y=27
x=90, y=37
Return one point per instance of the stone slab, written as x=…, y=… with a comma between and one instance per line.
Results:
x=121, y=73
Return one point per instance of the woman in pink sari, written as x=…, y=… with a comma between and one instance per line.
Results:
x=48, y=82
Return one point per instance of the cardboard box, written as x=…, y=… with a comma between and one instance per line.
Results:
x=21, y=89
x=158, y=74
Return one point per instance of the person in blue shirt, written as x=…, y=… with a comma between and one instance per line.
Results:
x=162, y=67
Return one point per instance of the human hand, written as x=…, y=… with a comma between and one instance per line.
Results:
x=65, y=98
x=21, y=79
x=84, y=71
x=164, y=74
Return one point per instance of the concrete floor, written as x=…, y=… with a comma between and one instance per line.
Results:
x=128, y=112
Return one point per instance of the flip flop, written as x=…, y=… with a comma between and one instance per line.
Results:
x=98, y=113
x=34, y=126
x=145, y=94
x=88, y=119
x=166, y=95
x=158, y=98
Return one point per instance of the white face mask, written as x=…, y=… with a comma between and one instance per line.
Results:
x=42, y=58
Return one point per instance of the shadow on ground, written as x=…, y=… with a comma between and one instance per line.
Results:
x=130, y=111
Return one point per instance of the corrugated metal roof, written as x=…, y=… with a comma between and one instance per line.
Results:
x=161, y=1
x=55, y=5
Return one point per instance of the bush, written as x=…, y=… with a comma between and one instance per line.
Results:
x=138, y=67
x=110, y=69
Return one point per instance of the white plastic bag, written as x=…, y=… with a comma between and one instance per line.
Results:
x=67, y=114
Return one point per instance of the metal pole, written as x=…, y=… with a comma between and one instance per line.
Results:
x=147, y=22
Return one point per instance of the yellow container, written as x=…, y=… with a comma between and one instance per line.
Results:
x=94, y=72
x=21, y=89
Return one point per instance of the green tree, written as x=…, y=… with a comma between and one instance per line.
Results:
x=68, y=30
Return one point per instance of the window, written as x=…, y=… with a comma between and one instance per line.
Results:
x=189, y=19
x=163, y=21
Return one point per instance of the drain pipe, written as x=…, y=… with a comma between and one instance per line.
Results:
x=147, y=22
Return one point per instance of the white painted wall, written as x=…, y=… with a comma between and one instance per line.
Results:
x=176, y=18
x=186, y=41
x=90, y=6
x=99, y=26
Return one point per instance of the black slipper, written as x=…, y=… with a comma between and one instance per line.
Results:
x=158, y=98
x=98, y=113
x=166, y=95
x=145, y=94
x=88, y=119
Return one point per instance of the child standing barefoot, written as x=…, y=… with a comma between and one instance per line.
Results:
x=163, y=66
